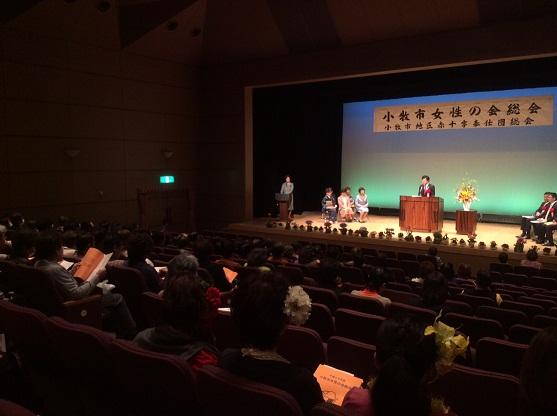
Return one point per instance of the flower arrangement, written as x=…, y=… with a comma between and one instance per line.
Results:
x=482, y=245
x=428, y=239
x=445, y=239
x=309, y=222
x=471, y=240
x=505, y=247
x=454, y=241
x=350, y=232
x=448, y=343
x=287, y=226
x=321, y=229
x=467, y=192
x=309, y=228
x=363, y=232
x=462, y=243
x=493, y=245
x=373, y=234
x=519, y=245
x=297, y=305
x=400, y=236
x=409, y=237
x=301, y=227
x=437, y=237
x=280, y=224
x=335, y=230
x=271, y=224
x=418, y=239
x=343, y=228
x=546, y=251
x=381, y=234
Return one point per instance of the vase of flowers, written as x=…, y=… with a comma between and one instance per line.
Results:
x=343, y=229
x=546, y=251
x=493, y=245
x=418, y=239
x=373, y=234
x=467, y=192
x=400, y=236
x=428, y=239
x=350, y=232
x=505, y=247
x=519, y=245
x=482, y=245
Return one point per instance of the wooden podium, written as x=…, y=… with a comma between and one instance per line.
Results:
x=466, y=222
x=419, y=213
x=283, y=203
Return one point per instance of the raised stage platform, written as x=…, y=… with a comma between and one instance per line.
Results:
x=476, y=257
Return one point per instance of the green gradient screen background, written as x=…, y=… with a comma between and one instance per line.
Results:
x=513, y=166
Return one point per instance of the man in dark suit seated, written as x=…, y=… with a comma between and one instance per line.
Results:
x=526, y=224
x=543, y=225
x=426, y=188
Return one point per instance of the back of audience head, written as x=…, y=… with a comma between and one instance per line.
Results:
x=182, y=264
x=464, y=271
x=483, y=280
x=406, y=361
x=503, y=257
x=358, y=257
x=83, y=243
x=435, y=290
x=258, y=309
x=184, y=304
x=277, y=251
x=538, y=376
x=140, y=245
x=426, y=268
x=257, y=257
x=532, y=255
x=432, y=251
x=23, y=244
x=328, y=272
x=448, y=271
x=69, y=238
x=375, y=279
x=48, y=246
x=203, y=249
x=307, y=254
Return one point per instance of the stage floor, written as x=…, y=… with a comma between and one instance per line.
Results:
x=486, y=232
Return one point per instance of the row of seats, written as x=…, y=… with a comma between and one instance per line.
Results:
x=82, y=370
x=115, y=377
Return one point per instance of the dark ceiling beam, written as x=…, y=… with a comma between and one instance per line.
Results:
x=11, y=9
x=138, y=19
x=305, y=25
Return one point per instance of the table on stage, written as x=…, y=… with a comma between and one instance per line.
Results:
x=466, y=222
x=421, y=213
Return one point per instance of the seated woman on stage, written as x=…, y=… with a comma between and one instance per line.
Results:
x=361, y=204
x=345, y=206
x=329, y=205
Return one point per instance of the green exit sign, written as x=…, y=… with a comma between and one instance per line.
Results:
x=167, y=179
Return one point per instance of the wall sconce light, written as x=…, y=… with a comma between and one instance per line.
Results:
x=167, y=153
x=72, y=152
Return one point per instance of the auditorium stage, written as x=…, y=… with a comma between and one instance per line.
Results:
x=486, y=232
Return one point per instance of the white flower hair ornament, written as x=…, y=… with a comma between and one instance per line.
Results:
x=297, y=305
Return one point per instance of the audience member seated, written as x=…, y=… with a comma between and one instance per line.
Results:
x=83, y=243
x=483, y=286
x=375, y=280
x=435, y=291
x=448, y=271
x=23, y=247
x=259, y=312
x=308, y=256
x=49, y=252
x=531, y=259
x=405, y=358
x=139, y=247
x=328, y=277
x=277, y=253
x=113, y=243
x=432, y=251
x=425, y=269
x=257, y=258
x=503, y=257
x=184, y=330
x=464, y=271
x=4, y=248
x=229, y=258
x=183, y=264
x=203, y=249
x=357, y=258
x=538, y=377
